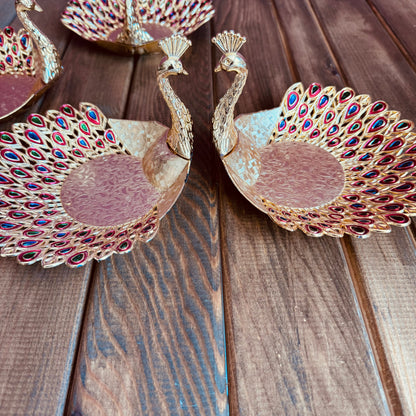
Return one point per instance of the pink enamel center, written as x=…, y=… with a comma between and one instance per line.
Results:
x=299, y=175
x=108, y=191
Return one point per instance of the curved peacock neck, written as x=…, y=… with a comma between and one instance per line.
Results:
x=133, y=33
x=225, y=134
x=180, y=134
x=50, y=60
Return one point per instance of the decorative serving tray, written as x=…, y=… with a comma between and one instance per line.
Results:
x=29, y=63
x=325, y=162
x=76, y=186
x=135, y=26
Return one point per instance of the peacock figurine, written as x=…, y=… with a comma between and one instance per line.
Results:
x=325, y=161
x=135, y=26
x=29, y=62
x=76, y=186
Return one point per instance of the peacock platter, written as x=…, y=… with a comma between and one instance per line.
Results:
x=134, y=26
x=76, y=186
x=29, y=63
x=326, y=162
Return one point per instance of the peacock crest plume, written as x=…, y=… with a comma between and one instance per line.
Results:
x=175, y=46
x=229, y=42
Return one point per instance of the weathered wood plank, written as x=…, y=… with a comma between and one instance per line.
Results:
x=154, y=337
x=7, y=14
x=40, y=314
x=41, y=310
x=291, y=308
x=383, y=265
x=398, y=19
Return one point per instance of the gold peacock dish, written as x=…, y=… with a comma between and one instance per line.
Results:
x=134, y=26
x=324, y=162
x=29, y=63
x=76, y=186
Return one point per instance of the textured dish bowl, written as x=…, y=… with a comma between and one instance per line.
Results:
x=134, y=26
x=29, y=63
x=75, y=186
x=325, y=162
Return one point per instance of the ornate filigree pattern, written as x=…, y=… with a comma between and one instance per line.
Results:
x=180, y=137
x=49, y=59
x=97, y=20
x=376, y=150
x=35, y=161
x=16, y=52
x=225, y=134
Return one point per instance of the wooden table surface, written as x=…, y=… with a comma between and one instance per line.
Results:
x=224, y=312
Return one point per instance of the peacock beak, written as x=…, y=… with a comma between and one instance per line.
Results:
x=37, y=8
x=185, y=72
x=218, y=68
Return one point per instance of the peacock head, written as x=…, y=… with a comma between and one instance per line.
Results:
x=174, y=47
x=230, y=43
x=171, y=66
x=27, y=5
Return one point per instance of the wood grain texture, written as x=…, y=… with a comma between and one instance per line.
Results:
x=40, y=314
x=7, y=14
x=398, y=18
x=297, y=343
x=371, y=61
x=154, y=337
x=384, y=265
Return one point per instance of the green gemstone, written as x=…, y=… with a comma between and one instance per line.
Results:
x=84, y=128
x=30, y=255
x=37, y=121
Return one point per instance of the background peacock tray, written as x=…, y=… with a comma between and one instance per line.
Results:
x=134, y=26
x=29, y=63
x=76, y=186
x=324, y=162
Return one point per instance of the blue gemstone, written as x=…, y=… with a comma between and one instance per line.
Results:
x=282, y=124
x=3, y=179
x=352, y=142
x=33, y=136
x=24, y=40
x=7, y=225
x=11, y=155
x=65, y=250
x=29, y=243
x=323, y=101
x=378, y=124
x=352, y=110
x=61, y=122
x=292, y=98
x=41, y=169
x=60, y=235
x=92, y=114
x=307, y=124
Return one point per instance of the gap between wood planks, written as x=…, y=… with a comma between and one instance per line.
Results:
x=230, y=360
x=364, y=304
x=77, y=352
x=393, y=36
